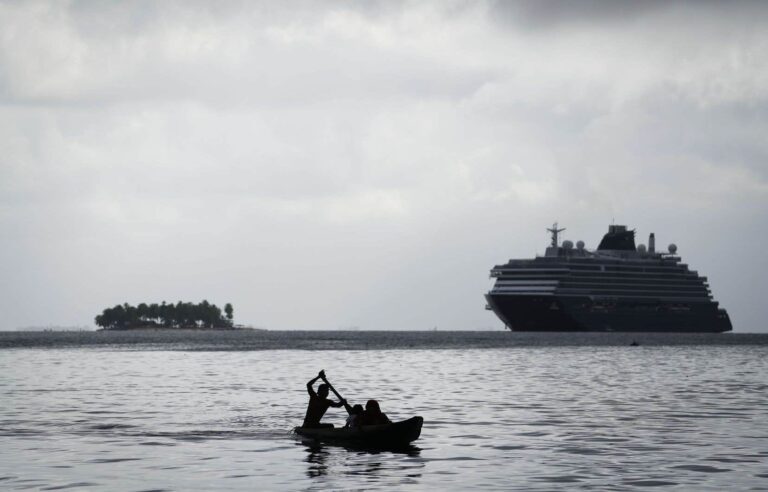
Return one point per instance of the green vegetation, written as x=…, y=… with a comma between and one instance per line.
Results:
x=179, y=315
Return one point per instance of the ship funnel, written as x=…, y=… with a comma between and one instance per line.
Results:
x=652, y=243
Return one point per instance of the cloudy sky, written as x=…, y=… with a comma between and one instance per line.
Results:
x=328, y=165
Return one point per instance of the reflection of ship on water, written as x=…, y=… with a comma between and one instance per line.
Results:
x=617, y=287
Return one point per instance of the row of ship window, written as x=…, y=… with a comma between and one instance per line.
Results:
x=610, y=306
x=598, y=268
x=651, y=292
x=601, y=280
x=591, y=264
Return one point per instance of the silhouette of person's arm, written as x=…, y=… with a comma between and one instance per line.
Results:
x=321, y=375
x=337, y=404
x=311, y=390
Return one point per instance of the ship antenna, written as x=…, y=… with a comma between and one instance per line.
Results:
x=555, y=231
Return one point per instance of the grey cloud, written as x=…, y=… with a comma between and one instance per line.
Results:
x=534, y=14
x=233, y=56
x=554, y=14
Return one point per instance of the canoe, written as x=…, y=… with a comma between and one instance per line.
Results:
x=396, y=434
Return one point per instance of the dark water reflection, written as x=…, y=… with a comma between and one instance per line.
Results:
x=317, y=460
x=368, y=464
x=554, y=417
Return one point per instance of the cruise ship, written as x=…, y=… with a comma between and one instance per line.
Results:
x=617, y=287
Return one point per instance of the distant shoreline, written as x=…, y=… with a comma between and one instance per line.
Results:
x=255, y=339
x=182, y=328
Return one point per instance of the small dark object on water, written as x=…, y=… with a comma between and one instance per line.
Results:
x=386, y=436
x=634, y=344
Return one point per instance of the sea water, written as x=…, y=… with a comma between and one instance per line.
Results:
x=503, y=411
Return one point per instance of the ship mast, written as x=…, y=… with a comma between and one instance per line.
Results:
x=555, y=231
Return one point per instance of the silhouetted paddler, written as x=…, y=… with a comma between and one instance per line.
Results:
x=319, y=403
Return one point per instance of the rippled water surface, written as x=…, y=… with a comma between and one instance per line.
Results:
x=523, y=416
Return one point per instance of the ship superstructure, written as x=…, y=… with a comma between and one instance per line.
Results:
x=617, y=287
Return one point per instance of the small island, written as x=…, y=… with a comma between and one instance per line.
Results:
x=182, y=315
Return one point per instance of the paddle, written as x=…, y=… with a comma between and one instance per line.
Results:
x=330, y=387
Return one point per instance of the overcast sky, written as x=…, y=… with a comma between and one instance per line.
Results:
x=327, y=165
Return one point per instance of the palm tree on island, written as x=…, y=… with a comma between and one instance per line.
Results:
x=182, y=315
